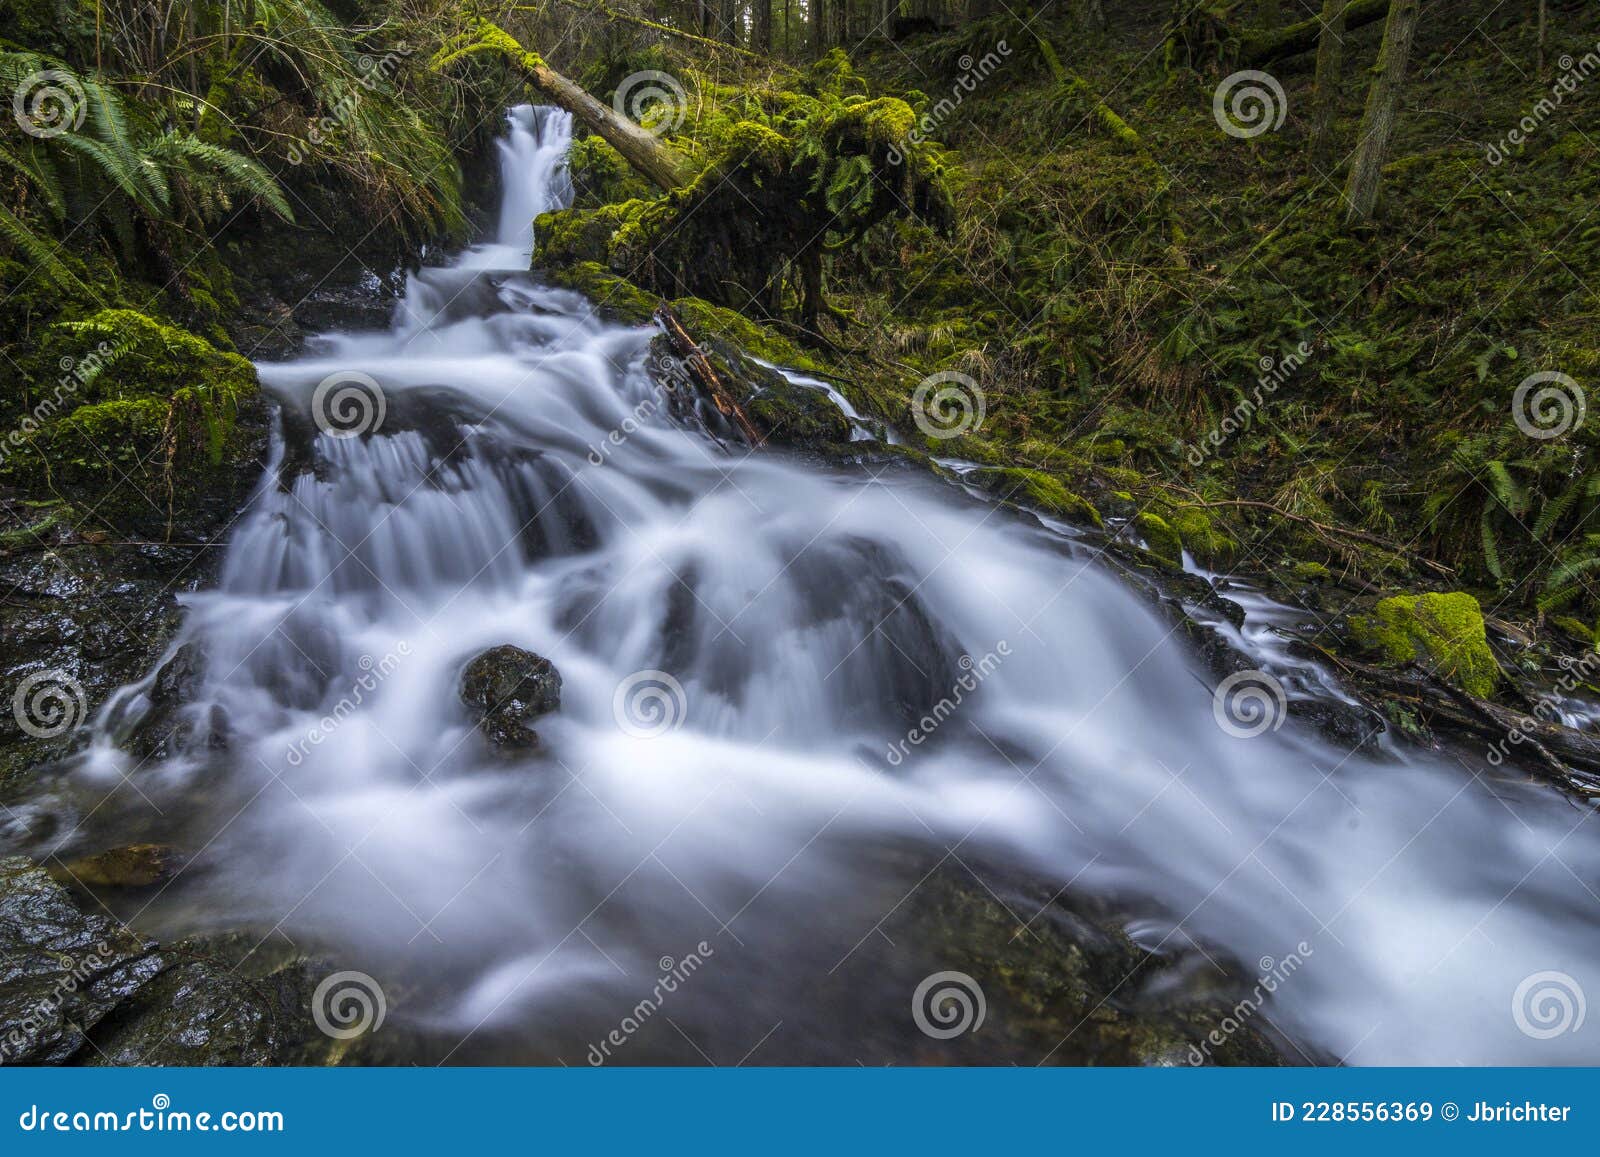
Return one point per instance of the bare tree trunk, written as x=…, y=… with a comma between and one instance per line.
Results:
x=761, y=25
x=1383, y=103
x=728, y=21
x=1542, y=13
x=1330, y=66
x=817, y=9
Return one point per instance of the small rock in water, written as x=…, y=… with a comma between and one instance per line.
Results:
x=133, y=866
x=506, y=688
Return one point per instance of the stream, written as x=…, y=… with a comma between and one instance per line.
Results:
x=745, y=640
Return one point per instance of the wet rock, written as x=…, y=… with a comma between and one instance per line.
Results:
x=1059, y=980
x=506, y=688
x=79, y=988
x=133, y=866
x=61, y=971
x=219, y=1000
x=165, y=730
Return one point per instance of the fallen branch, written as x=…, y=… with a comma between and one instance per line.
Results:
x=1324, y=528
x=700, y=369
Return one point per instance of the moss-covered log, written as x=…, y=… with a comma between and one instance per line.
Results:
x=646, y=152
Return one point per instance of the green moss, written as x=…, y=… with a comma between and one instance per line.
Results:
x=1163, y=541
x=612, y=295
x=1201, y=537
x=1311, y=572
x=1443, y=631
x=143, y=399
x=1037, y=489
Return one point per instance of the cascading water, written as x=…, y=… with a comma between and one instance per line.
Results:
x=745, y=640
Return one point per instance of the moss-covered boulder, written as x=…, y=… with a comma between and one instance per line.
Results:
x=1159, y=537
x=1444, y=632
x=1035, y=489
x=1201, y=538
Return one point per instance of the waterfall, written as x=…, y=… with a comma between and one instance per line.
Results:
x=790, y=691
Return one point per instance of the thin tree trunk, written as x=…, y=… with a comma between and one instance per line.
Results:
x=1542, y=6
x=761, y=26
x=1383, y=103
x=1330, y=66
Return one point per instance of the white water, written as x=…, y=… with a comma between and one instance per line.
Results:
x=808, y=615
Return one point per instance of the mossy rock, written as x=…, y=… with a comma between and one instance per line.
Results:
x=1036, y=489
x=1161, y=539
x=1443, y=631
x=1201, y=537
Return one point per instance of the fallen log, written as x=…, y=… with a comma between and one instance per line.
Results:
x=656, y=160
x=703, y=374
x=1293, y=39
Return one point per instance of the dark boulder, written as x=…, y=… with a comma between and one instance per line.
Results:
x=506, y=688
